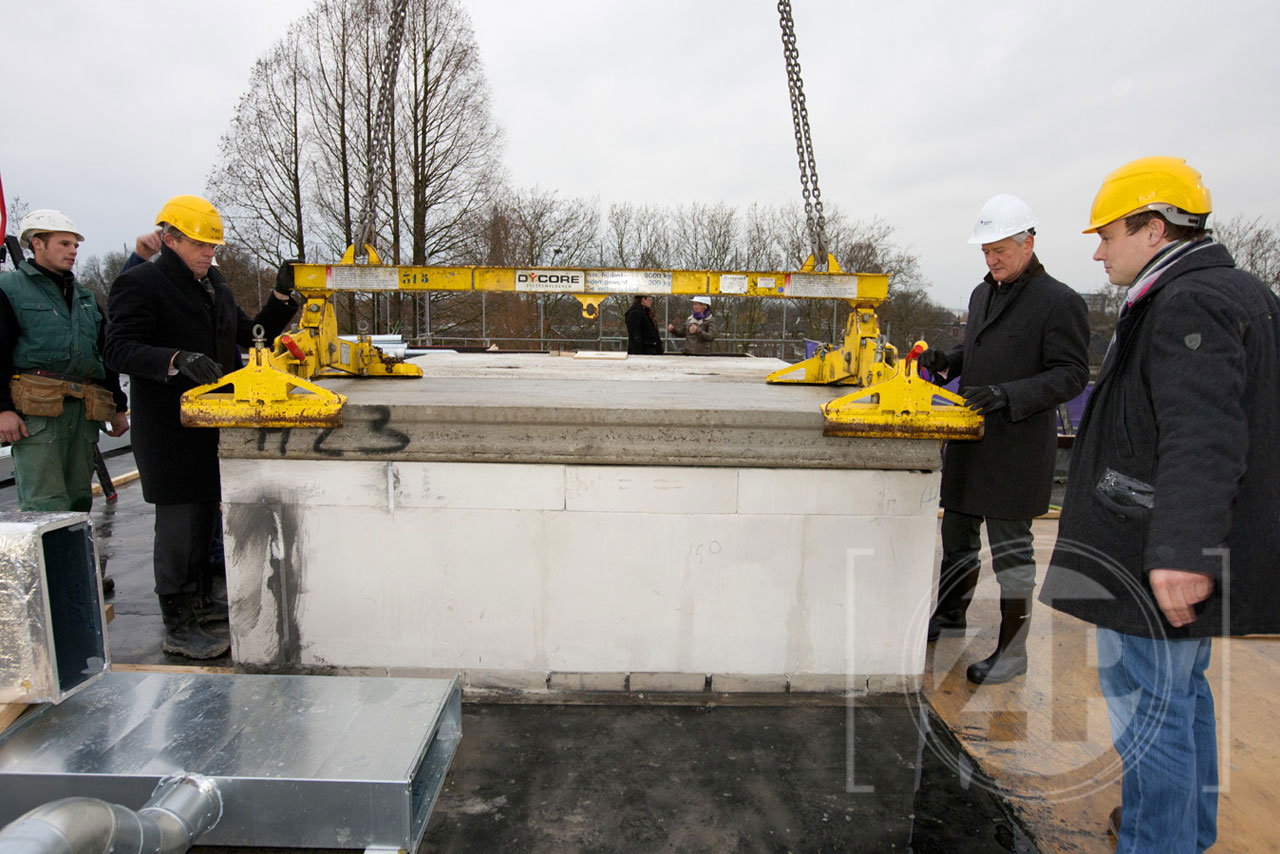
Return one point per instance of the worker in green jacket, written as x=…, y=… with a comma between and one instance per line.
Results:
x=56, y=392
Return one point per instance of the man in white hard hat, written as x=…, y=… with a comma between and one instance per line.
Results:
x=698, y=330
x=175, y=325
x=57, y=392
x=1170, y=529
x=1025, y=351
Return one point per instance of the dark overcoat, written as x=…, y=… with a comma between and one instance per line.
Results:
x=1035, y=343
x=156, y=309
x=1177, y=462
x=642, y=332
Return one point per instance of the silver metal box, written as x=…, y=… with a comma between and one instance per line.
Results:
x=300, y=761
x=52, y=621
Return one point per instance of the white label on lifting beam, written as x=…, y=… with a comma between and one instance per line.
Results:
x=344, y=278
x=820, y=285
x=550, y=281
x=628, y=282
x=733, y=284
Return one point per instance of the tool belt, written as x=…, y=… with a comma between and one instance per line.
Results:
x=43, y=393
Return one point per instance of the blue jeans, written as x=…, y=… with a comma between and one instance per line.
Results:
x=1161, y=712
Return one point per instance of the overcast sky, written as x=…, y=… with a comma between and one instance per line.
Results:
x=919, y=111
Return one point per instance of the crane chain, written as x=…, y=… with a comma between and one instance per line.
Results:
x=380, y=139
x=815, y=221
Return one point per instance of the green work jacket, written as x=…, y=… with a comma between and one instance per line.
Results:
x=54, y=338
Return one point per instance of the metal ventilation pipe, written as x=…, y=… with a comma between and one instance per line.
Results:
x=180, y=810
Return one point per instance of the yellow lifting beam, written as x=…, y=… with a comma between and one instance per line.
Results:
x=273, y=391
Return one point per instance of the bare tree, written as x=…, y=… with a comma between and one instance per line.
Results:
x=330, y=32
x=704, y=237
x=1255, y=244
x=97, y=272
x=636, y=237
x=259, y=181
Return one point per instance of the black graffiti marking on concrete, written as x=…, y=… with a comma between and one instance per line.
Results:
x=284, y=438
x=254, y=531
x=378, y=426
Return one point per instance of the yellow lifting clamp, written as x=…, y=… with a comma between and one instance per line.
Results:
x=904, y=406
x=262, y=395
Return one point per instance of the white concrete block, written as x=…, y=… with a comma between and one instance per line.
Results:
x=637, y=489
x=671, y=593
x=826, y=683
x=806, y=492
x=505, y=680
x=867, y=594
x=396, y=485
x=668, y=683
x=748, y=683
x=837, y=492
x=589, y=682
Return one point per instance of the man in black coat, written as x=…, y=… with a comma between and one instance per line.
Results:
x=1025, y=351
x=642, y=332
x=1170, y=528
x=175, y=325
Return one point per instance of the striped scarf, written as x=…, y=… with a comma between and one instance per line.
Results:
x=1142, y=285
x=1162, y=261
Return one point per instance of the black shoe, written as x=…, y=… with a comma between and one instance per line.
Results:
x=182, y=632
x=1010, y=658
x=108, y=587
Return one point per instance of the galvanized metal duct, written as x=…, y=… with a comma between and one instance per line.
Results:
x=181, y=809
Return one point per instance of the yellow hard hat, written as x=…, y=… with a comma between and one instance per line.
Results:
x=1164, y=184
x=193, y=216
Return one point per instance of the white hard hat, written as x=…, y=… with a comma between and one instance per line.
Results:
x=704, y=300
x=44, y=221
x=1003, y=216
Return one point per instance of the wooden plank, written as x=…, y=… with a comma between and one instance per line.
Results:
x=1040, y=734
x=9, y=713
x=171, y=668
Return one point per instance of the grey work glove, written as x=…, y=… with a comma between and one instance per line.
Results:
x=986, y=399
x=933, y=361
x=197, y=367
x=284, y=277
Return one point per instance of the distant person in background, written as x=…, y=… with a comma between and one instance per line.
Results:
x=643, y=338
x=1025, y=351
x=51, y=342
x=698, y=330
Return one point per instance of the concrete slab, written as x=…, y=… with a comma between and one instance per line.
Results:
x=715, y=411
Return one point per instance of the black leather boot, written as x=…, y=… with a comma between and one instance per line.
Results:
x=955, y=590
x=1010, y=658
x=182, y=633
x=210, y=603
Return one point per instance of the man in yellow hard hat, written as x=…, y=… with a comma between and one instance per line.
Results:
x=175, y=325
x=1170, y=526
x=56, y=392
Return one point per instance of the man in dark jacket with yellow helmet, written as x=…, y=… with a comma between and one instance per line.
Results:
x=175, y=325
x=1170, y=528
x=55, y=391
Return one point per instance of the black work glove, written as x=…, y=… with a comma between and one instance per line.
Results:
x=197, y=367
x=933, y=361
x=986, y=399
x=284, y=277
